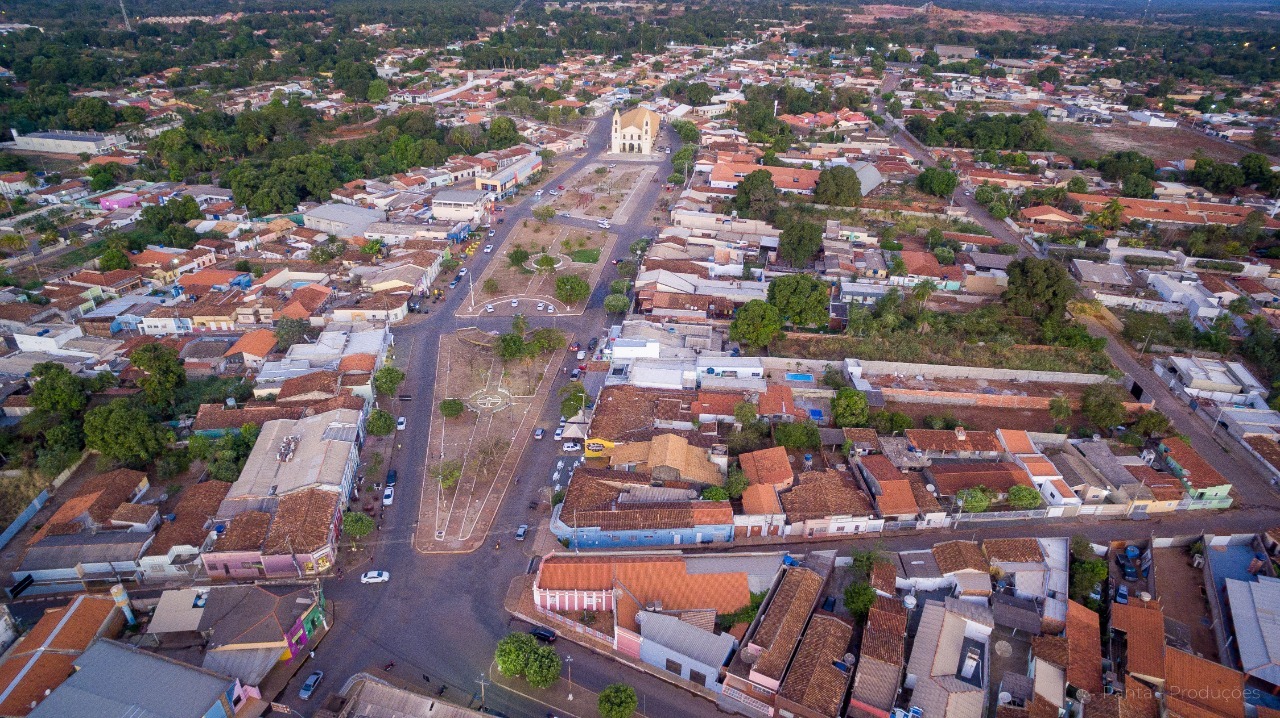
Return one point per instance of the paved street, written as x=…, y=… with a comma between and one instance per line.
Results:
x=441, y=615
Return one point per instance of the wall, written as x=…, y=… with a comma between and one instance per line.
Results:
x=21, y=521
x=656, y=654
x=873, y=368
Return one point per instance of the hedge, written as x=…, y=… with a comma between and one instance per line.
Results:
x=1220, y=265
x=1148, y=261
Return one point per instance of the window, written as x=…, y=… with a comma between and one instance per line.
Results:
x=697, y=677
x=674, y=667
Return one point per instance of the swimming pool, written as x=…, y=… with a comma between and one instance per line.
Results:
x=791, y=376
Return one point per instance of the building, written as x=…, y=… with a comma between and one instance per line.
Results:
x=635, y=131
x=462, y=205
x=66, y=142
x=603, y=509
x=670, y=457
x=947, y=673
x=342, y=220
x=881, y=659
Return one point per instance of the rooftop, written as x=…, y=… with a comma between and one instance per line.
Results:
x=778, y=632
x=817, y=678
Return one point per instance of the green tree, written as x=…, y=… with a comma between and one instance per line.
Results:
x=797, y=435
x=744, y=412
x=975, y=500
x=620, y=286
x=544, y=213
x=1152, y=423
x=858, y=599
x=945, y=255
x=387, y=379
x=1039, y=288
x=543, y=667
x=113, y=259
x=617, y=700
x=379, y=423
x=849, y=407
x=736, y=483
x=715, y=493
x=889, y=422
x=573, y=397
x=1103, y=405
x=1077, y=185
x=378, y=90
x=123, y=431
x=699, y=93
x=1060, y=408
x=513, y=653
x=448, y=473
x=1024, y=498
x=356, y=524
x=1136, y=185
x=15, y=243
x=1085, y=575
x=57, y=390
x=452, y=408
x=511, y=346
x=799, y=242
x=937, y=182
x=163, y=372
x=801, y=299
x=757, y=198
x=755, y=324
x=572, y=289
x=838, y=186
x=616, y=304
x=518, y=256
x=687, y=131
x=290, y=331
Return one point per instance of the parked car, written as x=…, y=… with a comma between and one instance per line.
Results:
x=559, y=433
x=561, y=188
x=541, y=305
x=611, y=166
x=538, y=193
x=582, y=354
x=522, y=532
x=551, y=309
x=571, y=446
x=388, y=495
x=515, y=302
x=488, y=308
x=309, y=686
x=573, y=376
x=1122, y=594
x=539, y=432
x=575, y=346
x=501, y=220
x=1096, y=593
x=375, y=577
x=492, y=233
x=591, y=345
x=401, y=423
x=454, y=282
x=488, y=248
x=392, y=477
x=462, y=272
x=543, y=634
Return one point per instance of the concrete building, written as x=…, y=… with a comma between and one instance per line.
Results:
x=66, y=142
x=342, y=220
x=462, y=205
x=635, y=131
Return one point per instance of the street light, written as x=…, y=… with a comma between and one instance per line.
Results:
x=568, y=662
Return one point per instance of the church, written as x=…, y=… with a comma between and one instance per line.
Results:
x=635, y=131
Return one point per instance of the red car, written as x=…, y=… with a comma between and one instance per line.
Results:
x=561, y=188
x=582, y=367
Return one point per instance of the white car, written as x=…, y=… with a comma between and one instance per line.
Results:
x=668, y=150
x=612, y=166
x=401, y=423
x=515, y=302
x=603, y=225
x=571, y=446
x=388, y=495
x=375, y=577
x=553, y=193
x=489, y=309
x=551, y=309
x=462, y=272
x=538, y=193
x=488, y=248
x=559, y=433
x=493, y=233
x=541, y=305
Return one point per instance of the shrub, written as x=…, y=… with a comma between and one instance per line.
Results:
x=452, y=408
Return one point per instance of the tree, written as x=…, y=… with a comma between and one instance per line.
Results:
x=1060, y=408
x=1077, y=185
x=849, y=407
x=518, y=256
x=452, y=408
x=616, y=304
x=113, y=259
x=858, y=598
x=838, y=186
x=889, y=422
x=122, y=431
x=802, y=299
x=380, y=423
x=57, y=390
x=387, y=379
x=542, y=667
x=378, y=90
x=699, y=93
x=1085, y=575
x=797, y=435
x=1136, y=185
x=744, y=412
x=448, y=473
x=572, y=289
x=511, y=346
x=1102, y=405
x=544, y=213
x=736, y=483
x=164, y=374
x=715, y=493
x=799, y=242
x=1039, y=288
x=356, y=524
x=573, y=398
x=975, y=500
x=290, y=331
x=937, y=182
x=1024, y=498
x=944, y=255
x=1115, y=166
x=687, y=131
x=619, y=286
x=757, y=198
x=617, y=700
x=513, y=653
x=755, y=324
x=15, y=243
x=1152, y=423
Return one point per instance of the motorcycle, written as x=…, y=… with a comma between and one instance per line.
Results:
x=389, y=666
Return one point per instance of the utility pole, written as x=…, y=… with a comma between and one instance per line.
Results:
x=127, y=26
x=483, y=682
x=568, y=663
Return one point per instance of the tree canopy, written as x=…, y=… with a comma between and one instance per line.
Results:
x=123, y=431
x=839, y=186
x=755, y=324
x=937, y=182
x=799, y=242
x=801, y=299
x=163, y=372
x=756, y=198
x=1039, y=288
x=849, y=407
x=572, y=289
x=617, y=700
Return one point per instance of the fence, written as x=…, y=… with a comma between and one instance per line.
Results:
x=574, y=625
x=1198, y=504
x=1001, y=516
x=21, y=521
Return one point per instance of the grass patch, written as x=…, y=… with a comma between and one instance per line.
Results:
x=78, y=256
x=586, y=256
x=937, y=349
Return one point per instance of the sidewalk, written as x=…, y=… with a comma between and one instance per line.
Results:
x=555, y=698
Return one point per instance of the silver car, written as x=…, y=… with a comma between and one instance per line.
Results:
x=309, y=686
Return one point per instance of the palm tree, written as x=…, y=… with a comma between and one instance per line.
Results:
x=922, y=291
x=12, y=243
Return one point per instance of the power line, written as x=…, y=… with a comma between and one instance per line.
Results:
x=127, y=26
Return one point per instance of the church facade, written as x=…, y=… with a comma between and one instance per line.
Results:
x=635, y=132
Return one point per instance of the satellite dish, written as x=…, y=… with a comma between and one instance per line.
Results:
x=1146, y=597
x=930, y=488
x=1083, y=696
x=1004, y=698
x=909, y=602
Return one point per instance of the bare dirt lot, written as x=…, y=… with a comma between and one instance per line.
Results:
x=480, y=448
x=596, y=193
x=1171, y=143
x=576, y=252
x=978, y=22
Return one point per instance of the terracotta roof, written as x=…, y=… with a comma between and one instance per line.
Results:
x=1084, y=663
x=1017, y=550
x=303, y=522
x=195, y=508
x=1016, y=441
x=42, y=659
x=1143, y=626
x=258, y=343
x=897, y=499
x=819, y=494
x=1267, y=448
x=952, y=441
x=813, y=681
x=886, y=627
x=997, y=476
x=664, y=578
x=1199, y=474
x=624, y=411
x=867, y=437
x=133, y=514
x=357, y=363
x=884, y=577
x=718, y=403
x=881, y=468
x=766, y=466
x=779, y=400
x=589, y=502
x=953, y=556
x=1053, y=649
x=245, y=532
x=927, y=502
x=213, y=417
x=317, y=382
x=671, y=451
x=758, y=499
x=779, y=629
x=1209, y=686
x=98, y=497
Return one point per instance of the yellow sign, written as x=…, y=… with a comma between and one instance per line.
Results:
x=595, y=448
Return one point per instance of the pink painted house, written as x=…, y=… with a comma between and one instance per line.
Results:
x=118, y=200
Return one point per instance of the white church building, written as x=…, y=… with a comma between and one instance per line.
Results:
x=635, y=131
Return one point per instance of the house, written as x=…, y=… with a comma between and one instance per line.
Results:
x=113, y=678
x=669, y=457
x=606, y=509
x=1201, y=378
x=298, y=540
x=1137, y=629
x=42, y=659
x=175, y=552
x=462, y=205
x=881, y=659
x=963, y=564
x=957, y=444
x=770, y=466
x=1099, y=276
x=634, y=132
x=755, y=676
x=252, y=348
x=1251, y=605
x=95, y=506
x=1201, y=480
x=949, y=479
x=761, y=514
x=675, y=642
x=1197, y=686
x=342, y=220
x=827, y=502
x=947, y=673
x=818, y=678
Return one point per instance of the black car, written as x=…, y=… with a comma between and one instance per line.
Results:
x=391, y=477
x=543, y=634
x=591, y=345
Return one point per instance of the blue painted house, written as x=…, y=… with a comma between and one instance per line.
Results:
x=608, y=509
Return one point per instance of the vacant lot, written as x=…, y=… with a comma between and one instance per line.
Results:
x=1174, y=143
x=939, y=349
x=575, y=251
x=598, y=191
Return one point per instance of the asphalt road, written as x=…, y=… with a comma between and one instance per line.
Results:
x=441, y=615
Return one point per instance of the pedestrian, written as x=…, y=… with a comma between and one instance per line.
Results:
x=313, y=654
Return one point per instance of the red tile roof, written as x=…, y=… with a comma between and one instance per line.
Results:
x=767, y=466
